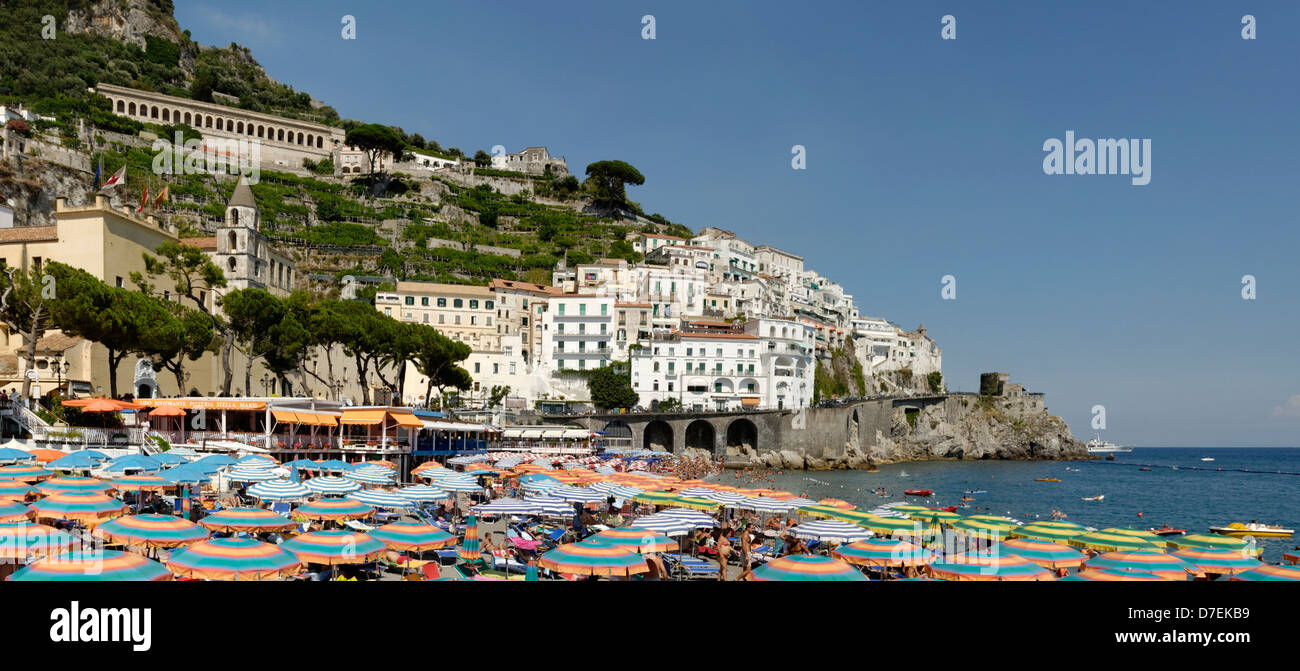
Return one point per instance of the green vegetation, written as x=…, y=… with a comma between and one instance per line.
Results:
x=609, y=180
x=911, y=414
x=611, y=389
x=935, y=380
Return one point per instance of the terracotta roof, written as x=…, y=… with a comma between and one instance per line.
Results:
x=58, y=342
x=201, y=243
x=29, y=234
x=525, y=286
x=708, y=322
x=664, y=237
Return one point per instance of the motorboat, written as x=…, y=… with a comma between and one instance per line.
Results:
x=1093, y=498
x=1047, y=479
x=918, y=492
x=1099, y=446
x=1167, y=530
x=1254, y=529
x=1145, y=468
x=1207, y=458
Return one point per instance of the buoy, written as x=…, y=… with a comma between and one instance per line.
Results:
x=1139, y=514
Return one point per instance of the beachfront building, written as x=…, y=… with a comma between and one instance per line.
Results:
x=788, y=356
x=779, y=263
x=673, y=293
x=578, y=332
x=520, y=306
x=701, y=369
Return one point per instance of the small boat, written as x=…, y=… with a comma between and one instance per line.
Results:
x=948, y=509
x=873, y=470
x=1167, y=530
x=1144, y=468
x=1254, y=529
x=1093, y=498
x=1047, y=479
x=918, y=492
x=965, y=499
x=976, y=491
x=1071, y=469
x=1207, y=458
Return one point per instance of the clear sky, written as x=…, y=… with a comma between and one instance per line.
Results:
x=924, y=159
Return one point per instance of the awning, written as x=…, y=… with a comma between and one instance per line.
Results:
x=512, y=433
x=577, y=433
x=203, y=403
x=319, y=418
x=750, y=400
x=406, y=419
x=286, y=417
x=362, y=417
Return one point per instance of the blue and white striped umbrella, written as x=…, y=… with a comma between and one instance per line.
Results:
x=541, y=486
x=133, y=463
x=256, y=461
x=605, y=470
x=279, y=490
x=185, y=452
x=831, y=531
x=332, y=484
x=468, y=459
x=544, y=462
x=420, y=493
x=456, y=485
x=573, y=465
x=550, y=506
x=664, y=524
x=508, y=462
x=617, y=491
x=762, y=504
x=725, y=498
x=381, y=499
x=577, y=494
x=694, y=517
x=241, y=473
x=696, y=492
x=370, y=476
x=506, y=507
x=800, y=502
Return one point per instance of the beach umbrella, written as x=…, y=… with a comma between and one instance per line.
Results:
x=370, y=476
x=542, y=486
x=9, y=455
x=982, y=528
x=1270, y=572
x=837, y=503
x=577, y=494
x=1044, y=553
x=818, y=510
x=659, y=498
x=241, y=473
x=943, y=516
x=106, y=565
x=892, y=526
x=1136, y=533
x=72, y=483
x=585, y=558
x=138, y=463
x=986, y=565
x=45, y=456
x=378, y=463
x=807, y=568
x=469, y=548
x=219, y=460
x=549, y=506
x=695, y=517
x=330, y=484
x=882, y=552
x=1214, y=541
x=333, y=509
x=530, y=573
x=24, y=472
x=764, y=504
x=909, y=508
x=696, y=491
x=665, y=524
x=152, y=531
x=90, y=508
x=1225, y=562
x=303, y=465
x=729, y=499
x=697, y=503
x=101, y=404
x=170, y=459
x=1107, y=540
x=458, y=486
x=536, y=477
x=136, y=483
x=1056, y=532
x=15, y=512
x=1111, y=575
x=279, y=490
x=1157, y=562
x=257, y=461
x=382, y=499
x=81, y=460
x=616, y=491
x=183, y=452
x=830, y=531
x=254, y=520
x=187, y=474
x=16, y=490
x=334, y=465
x=412, y=536
x=24, y=540
x=637, y=539
x=234, y=559
x=334, y=547
x=505, y=507
x=421, y=493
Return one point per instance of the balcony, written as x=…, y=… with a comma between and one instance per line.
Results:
x=570, y=336
x=596, y=353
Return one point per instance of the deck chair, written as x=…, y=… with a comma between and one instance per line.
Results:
x=282, y=507
x=688, y=567
x=431, y=571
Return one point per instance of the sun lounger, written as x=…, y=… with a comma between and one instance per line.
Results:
x=446, y=557
x=354, y=524
x=508, y=563
x=686, y=566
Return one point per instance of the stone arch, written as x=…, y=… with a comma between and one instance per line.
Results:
x=153, y=111
x=320, y=142
x=617, y=433
x=166, y=114
x=279, y=135
x=701, y=435
x=299, y=138
x=231, y=262
x=130, y=109
x=221, y=123
x=234, y=240
x=657, y=435
x=239, y=127
x=741, y=431
x=121, y=106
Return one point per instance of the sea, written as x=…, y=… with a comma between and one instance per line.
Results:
x=1240, y=485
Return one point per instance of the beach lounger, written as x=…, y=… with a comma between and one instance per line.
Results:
x=686, y=566
x=282, y=507
x=506, y=563
x=446, y=557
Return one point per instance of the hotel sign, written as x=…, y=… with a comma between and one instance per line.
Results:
x=203, y=404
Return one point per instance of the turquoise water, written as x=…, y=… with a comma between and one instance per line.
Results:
x=1189, y=499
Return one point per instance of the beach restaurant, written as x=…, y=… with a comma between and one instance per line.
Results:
x=549, y=439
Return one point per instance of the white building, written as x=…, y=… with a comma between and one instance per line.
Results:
x=578, y=332
x=648, y=242
x=732, y=257
x=702, y=371
x=788, y=356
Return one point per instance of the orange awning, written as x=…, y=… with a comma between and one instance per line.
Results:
x=323, y=419
x=362, y=417
x=406, y=419
x=749, y=401
x=285, y=417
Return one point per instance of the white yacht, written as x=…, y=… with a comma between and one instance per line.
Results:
x=1099, y=446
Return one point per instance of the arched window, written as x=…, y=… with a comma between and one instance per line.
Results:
x=261, y=130
x=239, y=127
x=153, y=112
x=231, y=262
x=220, y=124
x=166, y=112
x=320, y=142
x=121, y=106
x=299, y=138
x=187, y=117
x=130, y=110
x=279, y=135
x=234, y=241
x=234, y=221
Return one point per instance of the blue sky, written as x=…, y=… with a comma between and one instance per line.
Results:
x=924, y=159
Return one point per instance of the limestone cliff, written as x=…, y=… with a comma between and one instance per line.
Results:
x=981, y=428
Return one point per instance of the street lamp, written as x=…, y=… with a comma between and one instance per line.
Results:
x=266, y=384
x=60, y=367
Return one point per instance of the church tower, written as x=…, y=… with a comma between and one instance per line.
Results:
x=239, y=242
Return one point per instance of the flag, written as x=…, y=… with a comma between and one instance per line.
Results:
x=117, y=179
x=144, y=199
x=99, y=169
x=162, y=197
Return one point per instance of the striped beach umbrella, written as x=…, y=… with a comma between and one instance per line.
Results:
x=412, y=536
x=234, y=559
x=94, y=565
x=1107, y=540
x=243, y=473
x=184, y=452
x=152, y=531
x=382, y=499
x=1157, y=562
x=9, y=455
x=763, y=504
x=15, y=512
x=24, y=540
x=882, y=552
x=929, y=516
x=303, y=465
x=81, y=460
x=72, y=483
x=665, y=524
x=1044, y=553
x=132, y=463
x=90, y=508
x=807, y=568
x=334, y=465
x=695, y=503
x=1111, y=575
x=221, y=460
x=370, y=476
x=837, y=503
x=657, y=498
x=700, y=519
x=454, y=485
x=892, y=526
x=253, y=520
x=830, y=531
x=332, y=484
x=818, y=510
x=1214, y=541
x=16, y=490
x=577, y=494
x=585, y=558
x=279, y=490
x=982, y=528
x=728, y=499
x=1056, y=532
x=421, y=493
x=985, y=565
x=137, y=483
x=257, y=461
x=24, y=472
x=617, y=491
x=469, y=548
x=695, y=491
x=334, y=547
x=1270, y=572
x=1223, y=562
x=637, y=539
x=333, y=509
x=169, y=458
x=549, y=506
x=909, y=508
x=505, y=507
